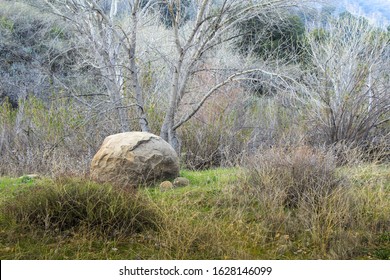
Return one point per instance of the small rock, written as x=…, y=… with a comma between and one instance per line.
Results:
x=34, y=176
x=181, y=182
x=30, y=177
x=7, y=249
x=166, y=185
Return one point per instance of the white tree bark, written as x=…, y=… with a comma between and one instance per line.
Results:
x=346, y=90
x=110, y=41
x=211, y=28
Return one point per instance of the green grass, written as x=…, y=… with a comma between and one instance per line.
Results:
x=371, y=174
x=10, y=187
x=215, y=217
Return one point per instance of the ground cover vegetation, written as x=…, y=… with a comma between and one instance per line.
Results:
x=278, y=110
x=222, y=214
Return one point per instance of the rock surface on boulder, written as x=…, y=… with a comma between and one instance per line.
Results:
x=133, y=158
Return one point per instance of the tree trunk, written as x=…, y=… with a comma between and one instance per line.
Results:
x=142, y=117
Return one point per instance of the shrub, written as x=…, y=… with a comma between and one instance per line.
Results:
x=347, y=98
x=49, y=138
x=351, y=154
x=217, y=136
x=76, y=204
x=306, y=209
x=276, y=35
x=291, y=175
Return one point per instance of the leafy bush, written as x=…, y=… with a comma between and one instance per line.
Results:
x=30, y=54
x=75, y=204
x=281, y=36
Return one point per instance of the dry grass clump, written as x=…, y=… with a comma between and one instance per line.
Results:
x=71, y=204
x=292, y=175
x=306, y=208
x=353, y=154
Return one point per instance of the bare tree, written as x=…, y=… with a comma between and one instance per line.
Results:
x=195, y=38
x=99, y=27
x=347, y=89
x=212, y=27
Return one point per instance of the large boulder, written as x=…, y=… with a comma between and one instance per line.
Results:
x=134, y=158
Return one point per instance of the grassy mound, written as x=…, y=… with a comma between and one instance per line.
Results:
x=71, y=204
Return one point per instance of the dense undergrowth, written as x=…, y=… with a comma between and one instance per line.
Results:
x=236, y=213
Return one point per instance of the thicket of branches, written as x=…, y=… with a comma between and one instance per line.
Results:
x=216, y=79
